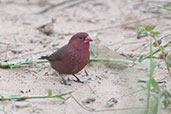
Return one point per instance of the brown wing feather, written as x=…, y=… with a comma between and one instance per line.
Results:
x=58, y=55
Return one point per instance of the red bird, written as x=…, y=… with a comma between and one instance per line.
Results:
x=71, y=58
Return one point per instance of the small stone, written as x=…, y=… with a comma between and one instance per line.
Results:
x=89, y=100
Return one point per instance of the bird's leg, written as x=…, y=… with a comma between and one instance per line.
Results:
x=78, y=80
x=86, y=72
x=64, y=81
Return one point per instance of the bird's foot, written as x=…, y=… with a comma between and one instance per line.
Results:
x=65, y=82
x=78, y=80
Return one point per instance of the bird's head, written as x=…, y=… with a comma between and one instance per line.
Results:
x=80, y=41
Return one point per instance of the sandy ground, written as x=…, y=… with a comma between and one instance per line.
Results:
x=112, y=25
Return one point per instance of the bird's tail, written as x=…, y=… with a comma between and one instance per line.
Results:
x=44, y=57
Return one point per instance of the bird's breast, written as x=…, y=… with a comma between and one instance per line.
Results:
x=77, y=60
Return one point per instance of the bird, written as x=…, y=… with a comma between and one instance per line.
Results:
x=72, y=57
x=48, y=28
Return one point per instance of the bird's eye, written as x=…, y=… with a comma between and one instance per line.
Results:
x=80, y=38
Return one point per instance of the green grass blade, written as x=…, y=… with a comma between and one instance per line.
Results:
x=152, y=67
x=93, y=50
x=140, y=59
x=19, y=97
x=159, y=6
x=155, y=85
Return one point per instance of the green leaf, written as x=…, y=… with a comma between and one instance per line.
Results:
x=150, y=28
x=60, y=97
x=152, y=66
x=155, y=85
x=154, y=33
x=27, y=60
x=140, y=30
x=141, y=58
x=49, y=93
x=152, y=62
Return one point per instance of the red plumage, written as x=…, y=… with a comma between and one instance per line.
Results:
x=73, y=57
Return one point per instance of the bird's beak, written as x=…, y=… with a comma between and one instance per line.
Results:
x=88, y=39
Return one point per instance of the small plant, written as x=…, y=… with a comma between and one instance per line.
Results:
x=154, y=100
x=149, y=31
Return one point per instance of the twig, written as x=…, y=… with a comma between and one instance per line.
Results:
x=33, y=97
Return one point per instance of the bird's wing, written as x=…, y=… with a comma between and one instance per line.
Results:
x=58, y=55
